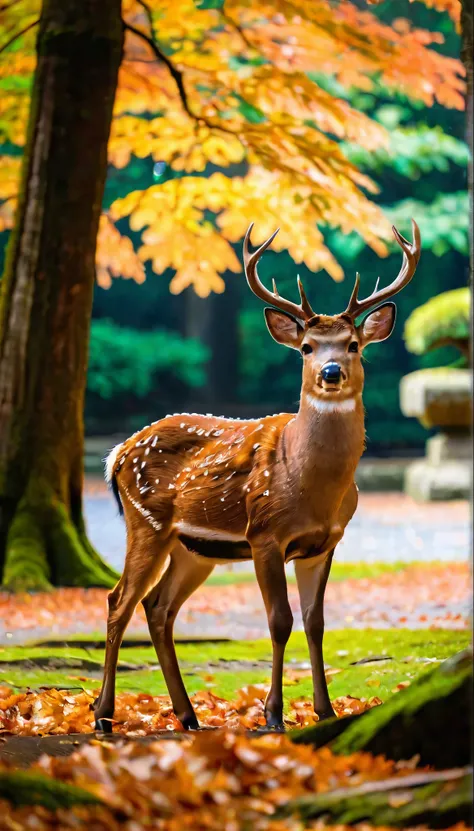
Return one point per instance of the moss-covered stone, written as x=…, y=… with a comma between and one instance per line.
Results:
x=25, y=788
x=435, y=800
x=432, y=718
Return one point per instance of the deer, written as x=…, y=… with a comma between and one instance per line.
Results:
x=200, y=490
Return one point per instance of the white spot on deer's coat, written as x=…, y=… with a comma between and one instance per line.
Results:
x=146, y=514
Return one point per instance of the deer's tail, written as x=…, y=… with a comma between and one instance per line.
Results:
x=110, y=477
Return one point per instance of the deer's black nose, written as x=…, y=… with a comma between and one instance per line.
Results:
x=331, y=372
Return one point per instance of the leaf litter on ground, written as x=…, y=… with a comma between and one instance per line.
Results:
x=219, y=780
x=62, y=711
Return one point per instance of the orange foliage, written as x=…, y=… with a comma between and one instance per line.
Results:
x=238, y=85
x=61, y=712
x=211, y=781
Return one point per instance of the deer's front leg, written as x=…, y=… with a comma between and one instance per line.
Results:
x=270, y=571
x=312, y=579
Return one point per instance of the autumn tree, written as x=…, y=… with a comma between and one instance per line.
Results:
x=203, y=86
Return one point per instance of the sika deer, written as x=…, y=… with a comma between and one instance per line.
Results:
x=198, y=490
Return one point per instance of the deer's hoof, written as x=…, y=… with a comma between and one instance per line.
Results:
x=325, y=715
x=103, y=725
x=274, y=723
x=189, y=722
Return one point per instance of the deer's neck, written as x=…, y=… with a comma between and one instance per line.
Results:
x=327, y=437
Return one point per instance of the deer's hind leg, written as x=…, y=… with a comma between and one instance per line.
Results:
x=145, y=561
x=186, y=572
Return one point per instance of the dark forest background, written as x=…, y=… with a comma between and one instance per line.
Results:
x=153, y=353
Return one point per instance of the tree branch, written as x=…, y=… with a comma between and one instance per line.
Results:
x=7, y=6
x=239, y=30
x=175, y=73
x=18, y=35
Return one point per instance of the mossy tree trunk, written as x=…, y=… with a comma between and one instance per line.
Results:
x=46, y=299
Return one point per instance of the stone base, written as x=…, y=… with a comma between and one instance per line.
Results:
x=427, y=482
x=439, y=397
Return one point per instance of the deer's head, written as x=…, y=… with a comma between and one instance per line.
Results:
x=332, y=345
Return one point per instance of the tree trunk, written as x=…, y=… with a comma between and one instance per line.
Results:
x=214, y=321
x=46, y=299
x=467, y=27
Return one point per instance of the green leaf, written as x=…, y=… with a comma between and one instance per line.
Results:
x=444, y=223
x=128, y=361
x=209, y=4
x=446, y=316
x=250, y=113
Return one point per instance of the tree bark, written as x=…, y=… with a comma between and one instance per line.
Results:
x=46, y=299
x=466, y=56
x=214, y=321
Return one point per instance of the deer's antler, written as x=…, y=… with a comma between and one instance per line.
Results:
x=411, y=255
x=303, y=311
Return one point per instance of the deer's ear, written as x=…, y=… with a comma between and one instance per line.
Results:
x=378, y=325
x=284, y=328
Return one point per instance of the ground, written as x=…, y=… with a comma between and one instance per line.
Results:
x=397, y=605
x=388, y=618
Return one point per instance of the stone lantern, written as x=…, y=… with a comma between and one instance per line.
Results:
x=441, y=398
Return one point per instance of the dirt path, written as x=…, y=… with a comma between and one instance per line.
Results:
x=417, y=597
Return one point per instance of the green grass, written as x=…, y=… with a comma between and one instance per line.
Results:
x=339, y=572
x=407, y=648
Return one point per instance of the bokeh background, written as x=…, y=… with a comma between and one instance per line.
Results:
x=153, y=352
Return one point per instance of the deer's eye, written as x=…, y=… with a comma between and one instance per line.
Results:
x=354, y=346
x=306, y=349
